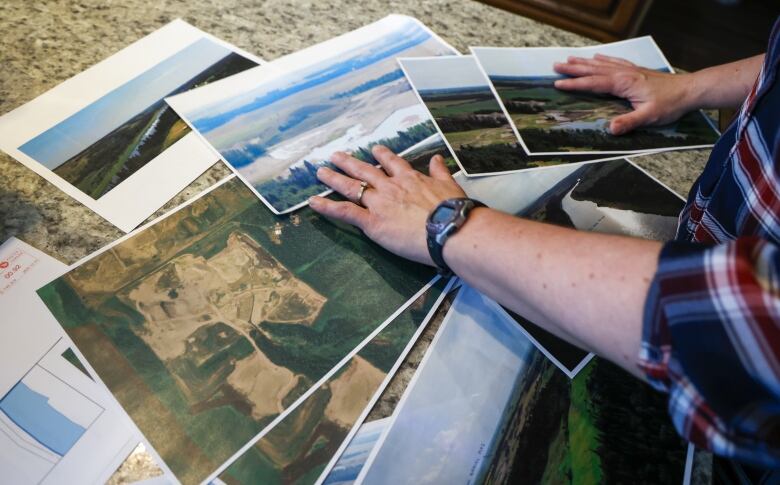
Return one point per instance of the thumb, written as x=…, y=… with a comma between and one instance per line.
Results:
x=438, y=169
x=630, y=121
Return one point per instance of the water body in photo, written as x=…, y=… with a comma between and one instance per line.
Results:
x=279, y=128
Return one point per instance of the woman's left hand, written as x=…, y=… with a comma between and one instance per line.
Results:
x=396, y=203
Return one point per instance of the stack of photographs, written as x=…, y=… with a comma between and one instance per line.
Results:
x=276, y=125
x=248, y=337
x=551, y=121
x=485, y=406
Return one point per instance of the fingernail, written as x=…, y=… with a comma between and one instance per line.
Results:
x=338, y=155
x=313, y=200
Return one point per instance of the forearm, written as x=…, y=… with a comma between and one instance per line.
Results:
x=724, y=86
x=587, y=288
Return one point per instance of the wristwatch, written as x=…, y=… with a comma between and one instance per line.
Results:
x=443, y=222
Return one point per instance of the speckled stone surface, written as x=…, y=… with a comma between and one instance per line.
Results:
x=45, y=43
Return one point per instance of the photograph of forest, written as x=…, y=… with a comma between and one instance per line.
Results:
x=107, y=141
x=297, y=450
x=277, y=128
x=461, y=102
x=553, y=121
x=209, y=324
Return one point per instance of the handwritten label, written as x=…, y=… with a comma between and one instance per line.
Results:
x=13, y=267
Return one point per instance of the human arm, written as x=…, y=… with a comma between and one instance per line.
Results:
x=657, y=97
x=576, y=275
x=704, y=320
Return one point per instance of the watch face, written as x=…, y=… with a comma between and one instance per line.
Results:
x=442, y=214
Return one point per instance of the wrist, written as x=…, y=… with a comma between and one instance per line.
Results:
x=691, y=92
x=458, y=244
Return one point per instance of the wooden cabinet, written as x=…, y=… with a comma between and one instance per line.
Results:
x=604, y=20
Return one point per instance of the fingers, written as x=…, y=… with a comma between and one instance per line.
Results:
x=438, y=169
x=342, y=211
x=392, y=163
x=630, y=121
x=346, y=186
x=358, y=169
x=570, y=69
x=615, y=60
x=596, y=84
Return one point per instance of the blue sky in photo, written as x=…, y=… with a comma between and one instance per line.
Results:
x=452, y=72
x=90, y=124
x=454, y=411
x=410, y=35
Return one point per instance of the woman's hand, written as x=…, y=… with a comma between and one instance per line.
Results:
x=395, y=205
x=658, y=98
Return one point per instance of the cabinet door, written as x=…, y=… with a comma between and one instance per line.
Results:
x=605, y=20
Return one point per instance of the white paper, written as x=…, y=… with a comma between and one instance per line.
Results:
x=59, y=426
x=55, y=127
x=537, y=62
x=446, y=425
x=292, y=114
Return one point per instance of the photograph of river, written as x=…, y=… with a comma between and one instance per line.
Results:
x=613, y=197
x=552, y=121
x=277, y=124
x=107, y=141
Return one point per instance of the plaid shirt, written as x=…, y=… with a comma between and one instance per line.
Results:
x=712, y=319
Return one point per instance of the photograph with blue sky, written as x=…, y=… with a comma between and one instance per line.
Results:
x=276, y=124
x=105, y=142
x=550, y=121
x=446, y=428
x=466, y=112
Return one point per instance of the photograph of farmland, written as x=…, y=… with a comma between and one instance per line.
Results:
x=277, y=128
x=613, y=197
x=551, y=120
x=210, y=323
x=297, y=450
x=107, y=141
x=458, y=96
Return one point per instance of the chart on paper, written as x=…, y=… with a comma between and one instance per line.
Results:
x=41, y=419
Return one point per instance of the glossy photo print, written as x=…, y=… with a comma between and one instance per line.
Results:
x=209, y=323
x=552, y=121
x=613, y=197
x=276, y=124
x=465, y=110
x=106, y=136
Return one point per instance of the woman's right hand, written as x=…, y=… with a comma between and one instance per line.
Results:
x=658, y=98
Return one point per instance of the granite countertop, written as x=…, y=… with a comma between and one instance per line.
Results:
x=45, y=43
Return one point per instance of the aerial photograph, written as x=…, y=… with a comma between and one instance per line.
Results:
x=277, y=126
x=297, y=450
x=613, y=197
x=107, y=141
x=456, y=403
x=490, y=430
x=551, y=120
x=458, y=96
x=209, y=323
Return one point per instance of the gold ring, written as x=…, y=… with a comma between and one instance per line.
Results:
x=363, y=186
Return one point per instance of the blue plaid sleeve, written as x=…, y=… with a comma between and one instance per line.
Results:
x=711, y=339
